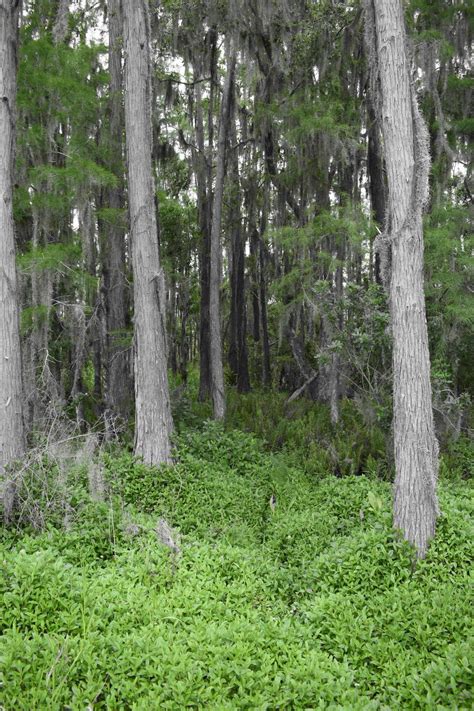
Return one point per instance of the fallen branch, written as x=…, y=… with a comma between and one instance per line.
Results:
x=301, y=390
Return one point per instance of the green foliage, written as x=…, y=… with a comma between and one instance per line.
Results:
x=32, y=317
x=457, y=461
x=290, y=590
x=47, y=70
x=78, y=171
x=52, y=256
x=112, y=216
x=313, y=602
x=177, y=232
x=450, y=305
x=465, y=125
x=303, y=431
x=340, y=224
x=203, y=492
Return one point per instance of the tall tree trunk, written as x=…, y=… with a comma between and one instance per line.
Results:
x=217, y=367
x=251, y=194
x=153, y=422
x=92, y=335
x=12, y=435
x=184, y=336
x=118, y=385
x=336, y=327
x=335, y=375
x=204, y=197
x=407, y=160
x=266, y=364
x=254, y=244
x=238, y=356
x=376, y=179
x=206, y=221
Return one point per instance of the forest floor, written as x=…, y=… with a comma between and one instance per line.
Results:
x=272, y=589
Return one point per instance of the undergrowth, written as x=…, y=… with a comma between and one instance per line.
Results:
x=288, y=592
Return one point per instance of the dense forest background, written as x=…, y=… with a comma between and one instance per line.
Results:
x=304, y=197
x=271, y=205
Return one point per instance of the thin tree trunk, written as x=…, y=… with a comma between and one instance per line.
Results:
x=172, y=325
x=376, y=180
x=238, y=356
x=266, y=364
x=206, y=221
x=118, y=385
x=407, y=160
x=335, y=378
x=336, y=327
x=12, y=435
x=254, y=261
x=250, y=200
x=217, y=367
x=92, y=336
x=153, y=422
x=204, y=197
x=184, y=338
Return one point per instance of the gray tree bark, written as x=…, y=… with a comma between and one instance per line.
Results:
x=60, y=26
x=266, y=364
x=118, y=385
x=12, y=435
x=204, y=195
x=153, y=421
x=407, y=160
x=205, y=251
x=238, y=356
x=335, y=366
x=217, y=367
x=375, y=170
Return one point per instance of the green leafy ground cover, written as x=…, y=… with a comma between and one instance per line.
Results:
x=316, y=604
